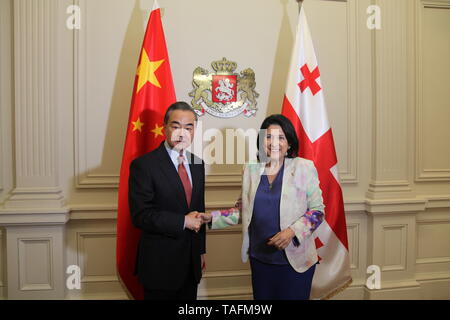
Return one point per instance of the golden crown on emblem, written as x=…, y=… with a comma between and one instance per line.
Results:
x=224, y=66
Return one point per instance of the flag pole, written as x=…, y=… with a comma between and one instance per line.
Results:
x=300, y=4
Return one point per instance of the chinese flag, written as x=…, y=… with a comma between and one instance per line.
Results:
x=304, y=105
x=153, y=93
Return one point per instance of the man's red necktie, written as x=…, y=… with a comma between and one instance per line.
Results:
x=184, y=179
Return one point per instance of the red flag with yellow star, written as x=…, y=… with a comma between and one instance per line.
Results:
x=153, y=93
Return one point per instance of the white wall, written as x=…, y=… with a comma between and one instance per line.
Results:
x=387, y=98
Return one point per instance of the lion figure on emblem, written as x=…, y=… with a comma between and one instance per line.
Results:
x=202, y=84
x=247, y=85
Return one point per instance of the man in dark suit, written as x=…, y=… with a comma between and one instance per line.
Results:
x=167, y=199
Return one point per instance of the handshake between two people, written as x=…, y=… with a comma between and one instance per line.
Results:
x=195, y=220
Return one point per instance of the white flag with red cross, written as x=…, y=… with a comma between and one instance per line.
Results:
x=304, y=105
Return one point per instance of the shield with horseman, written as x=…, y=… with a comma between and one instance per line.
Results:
x=224, y=88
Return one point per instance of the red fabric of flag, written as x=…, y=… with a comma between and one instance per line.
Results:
x=153, y=93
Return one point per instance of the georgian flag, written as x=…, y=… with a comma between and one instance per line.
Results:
x=304, y=105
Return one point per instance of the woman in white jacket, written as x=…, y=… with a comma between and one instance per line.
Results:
x=281, y=206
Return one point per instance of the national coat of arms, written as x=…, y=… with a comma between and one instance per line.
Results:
x=224, y=94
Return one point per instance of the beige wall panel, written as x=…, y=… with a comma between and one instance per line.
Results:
x=353, y=244
x=395, y=247
x=433, y=244
x=429, y=245
x=97, y=255
x=35, y=264
x=35, y=261
x=226, y=277
x=434, y=96
x=226, y=286
x=357, y=242
x=219, y=198
x=392, y=247
x=106, y=60
x=390, y=103
x=91, y=246
x=224, y=250
x=435, y=290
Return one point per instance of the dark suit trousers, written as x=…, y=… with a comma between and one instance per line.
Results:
x=187, y=292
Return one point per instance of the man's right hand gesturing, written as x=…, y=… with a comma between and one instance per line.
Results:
x=193, y=221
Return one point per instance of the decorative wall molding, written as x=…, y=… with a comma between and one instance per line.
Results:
x=90, y=245
x=391, y=142
x=422, y=173
x=43, y=197
x=395, y=290
x=5, y=88
x=25, y=248
x=35, y=110
x=229, y=293
x=433, y=260
x=215, y=286
x=388, y=189
x=94, y=212
x=227, y=274
x=432, y=221
x=35, y=262
x=399, y=231
x=84, y=177
x=109, y=211
x=433, y=175
x=437, y=201
x=362, y=206
x=33, y=217
x=392, y=246
x=350, y=174
x=391, y=206
x=223, y=180
x=83, y=260
x=438, y=4
x=237, y=229
x=358, y=206
x=369, y=206
x=353, y=235
x=215, y=281
x=34, y=41
x=218, y=285
x=435, y=276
